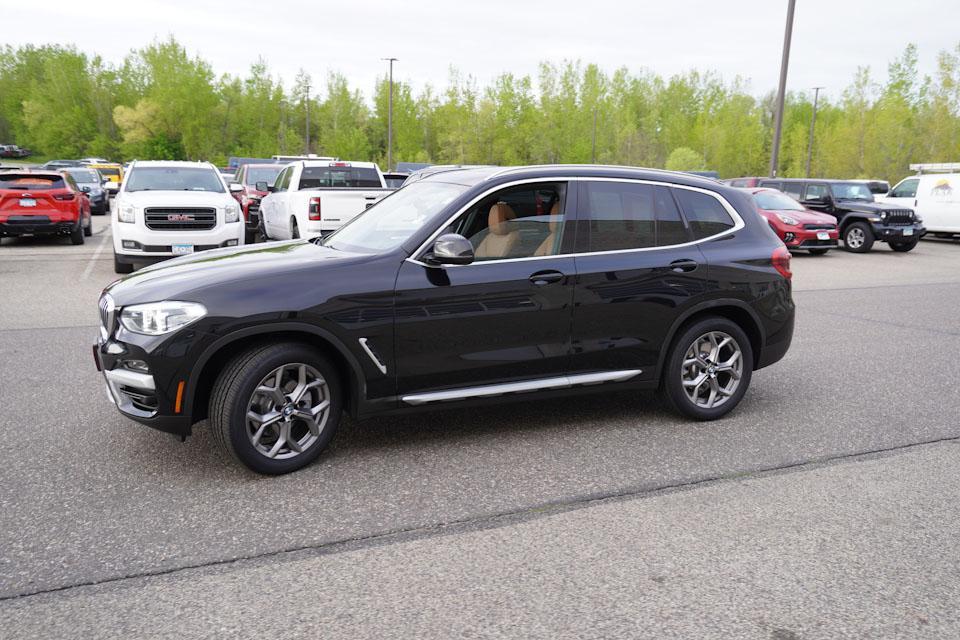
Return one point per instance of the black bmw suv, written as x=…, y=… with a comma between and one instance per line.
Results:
x=469, y=286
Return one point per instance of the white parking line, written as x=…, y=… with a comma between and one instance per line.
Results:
x=96, y=254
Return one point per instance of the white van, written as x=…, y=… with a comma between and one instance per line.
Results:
x=934, y=195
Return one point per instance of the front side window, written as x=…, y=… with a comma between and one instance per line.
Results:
x=623, y=215
x=283, y=180
x=519, y=222
x=906, y=189
x=706, y=215
x=173, y=179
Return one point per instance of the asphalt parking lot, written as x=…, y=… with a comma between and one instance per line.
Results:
x=824, y=506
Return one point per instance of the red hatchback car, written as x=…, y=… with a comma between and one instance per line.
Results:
x=797, y=226
x=35, y=203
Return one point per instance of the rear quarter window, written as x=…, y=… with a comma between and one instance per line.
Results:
x=706, y=216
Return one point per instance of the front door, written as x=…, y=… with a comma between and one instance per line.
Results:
x=504, y=318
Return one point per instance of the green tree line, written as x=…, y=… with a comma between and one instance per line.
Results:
x=163, y=103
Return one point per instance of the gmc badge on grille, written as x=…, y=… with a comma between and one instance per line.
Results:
x=179, y=217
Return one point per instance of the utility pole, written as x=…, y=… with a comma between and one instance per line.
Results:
x=813, y=121
x=307, y=135
x=781, y=91
x=390, y=118
x=593, y=153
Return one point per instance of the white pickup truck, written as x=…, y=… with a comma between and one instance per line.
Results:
x=316, y=197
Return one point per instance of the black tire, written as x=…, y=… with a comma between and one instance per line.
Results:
x=121, y=267
x=905, y=245
x=88, y=230
x=294, y=229
x=671, y=382
x=76, y=235
x=852, y=243
x=818, y=252
x=235, y=387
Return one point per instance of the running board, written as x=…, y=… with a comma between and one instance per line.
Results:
x=490, y=390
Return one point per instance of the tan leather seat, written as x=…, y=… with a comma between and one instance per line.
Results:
x=547, y=247
x=502, y=237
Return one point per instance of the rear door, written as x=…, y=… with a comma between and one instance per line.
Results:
x=636, y=270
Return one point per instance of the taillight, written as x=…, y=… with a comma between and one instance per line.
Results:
x=314, y=209
x=781, y=262
x=63, y=196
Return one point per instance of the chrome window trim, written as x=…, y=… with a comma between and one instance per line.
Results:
x=738, y=222
x=524, y=386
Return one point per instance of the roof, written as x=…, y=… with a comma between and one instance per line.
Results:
x=473, y=175
x=187, y=164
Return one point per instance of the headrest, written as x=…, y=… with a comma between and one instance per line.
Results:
x=499, y=213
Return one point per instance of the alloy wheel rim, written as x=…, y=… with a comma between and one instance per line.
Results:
x=288, y=411
x=855, y=238
x=712, y=369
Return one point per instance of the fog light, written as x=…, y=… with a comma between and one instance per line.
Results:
x=135, y=365
x=131, y=244
x=788, y=237
x=231, y=243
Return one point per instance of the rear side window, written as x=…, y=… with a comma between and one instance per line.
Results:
x=623, y=215
x=706, y=216
x=27, y=182
x=344, y=177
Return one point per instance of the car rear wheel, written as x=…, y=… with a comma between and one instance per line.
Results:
x=818, y=252
x=275, y=408
x=88, y=230
x=905, y=245
x=708, y=369
x=121, y=267
x=858, y=238
x=76, y=235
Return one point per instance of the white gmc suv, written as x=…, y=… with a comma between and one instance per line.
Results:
x=167, y=209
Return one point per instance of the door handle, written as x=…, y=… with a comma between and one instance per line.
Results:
x=683, y=266
x=541, y=278
x=369, y=197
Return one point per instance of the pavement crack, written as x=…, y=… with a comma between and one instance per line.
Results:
x=496, y=520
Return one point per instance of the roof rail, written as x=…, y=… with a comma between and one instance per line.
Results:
x=936, y=167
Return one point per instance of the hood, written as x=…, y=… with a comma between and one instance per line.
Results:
x=176, y=198
x=243, y=271
x=806, y=216
x=867, y=207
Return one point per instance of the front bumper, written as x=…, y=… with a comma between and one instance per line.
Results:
x=37, y=225
x=897, y=232
x=800, y=238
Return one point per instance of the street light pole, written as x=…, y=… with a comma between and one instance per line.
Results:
x=813, y=122
x=781, y=90
x=307, y=133
x=390, y=118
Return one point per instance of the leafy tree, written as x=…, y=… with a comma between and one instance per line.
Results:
x=684, y=159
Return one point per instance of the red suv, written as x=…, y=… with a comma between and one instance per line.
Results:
x=797, y=226
x=34, y=203
x=248, y=175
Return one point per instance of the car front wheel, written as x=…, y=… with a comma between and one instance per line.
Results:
x=905, y=245
x=275, y=408
x=858, y=238
x=708, y=369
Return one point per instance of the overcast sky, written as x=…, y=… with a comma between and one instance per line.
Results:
x=831, y=37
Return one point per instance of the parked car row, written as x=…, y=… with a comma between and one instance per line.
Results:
x=13, y=151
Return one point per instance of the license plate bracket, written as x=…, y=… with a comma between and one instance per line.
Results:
x=823, y=235
x=908, y=232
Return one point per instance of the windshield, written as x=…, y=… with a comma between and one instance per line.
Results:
x=390, y=222
x=84, y=176
x=262, y=174
x=851, y=191
x=109, y=171
x=173, y=179
x=776, y=201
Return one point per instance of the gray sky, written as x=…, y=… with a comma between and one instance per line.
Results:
x=831, y=37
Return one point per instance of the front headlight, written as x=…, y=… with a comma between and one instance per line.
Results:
x=883, y=215
x=231, y=212
x=785, y=219
x=158, y=318
x=126, y=213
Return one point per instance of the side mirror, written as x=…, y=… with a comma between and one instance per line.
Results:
x=451, y=248
x=235, y=187
x=263, y=186
x=85, y=189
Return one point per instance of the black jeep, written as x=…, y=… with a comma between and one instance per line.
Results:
x=862, y=221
